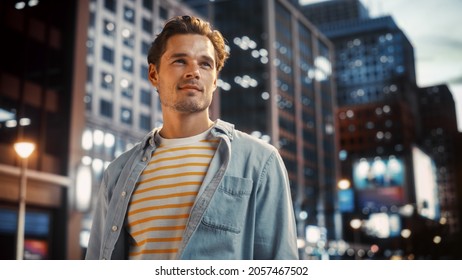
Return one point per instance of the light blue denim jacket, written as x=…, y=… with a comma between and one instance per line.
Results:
x=243, y=209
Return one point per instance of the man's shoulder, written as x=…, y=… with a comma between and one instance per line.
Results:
x=244, y=139
x=121, y=160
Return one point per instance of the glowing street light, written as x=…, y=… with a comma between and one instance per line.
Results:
x=355, y=223
x=24, y=150
x=344, y=184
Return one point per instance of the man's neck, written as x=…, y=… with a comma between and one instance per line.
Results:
x=182, y=126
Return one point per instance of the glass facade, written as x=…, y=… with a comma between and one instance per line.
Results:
x=277, y=85
x=242, y=85
x=369, y=67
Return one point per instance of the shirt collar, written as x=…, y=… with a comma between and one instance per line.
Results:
x=220, y=127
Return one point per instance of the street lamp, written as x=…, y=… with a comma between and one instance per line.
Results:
x=24, y=150
x=344, y=184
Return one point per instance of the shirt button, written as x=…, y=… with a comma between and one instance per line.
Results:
x=114, y=228
x=145, y=159
x=123, y=194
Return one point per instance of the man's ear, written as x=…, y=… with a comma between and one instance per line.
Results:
x=153, y=75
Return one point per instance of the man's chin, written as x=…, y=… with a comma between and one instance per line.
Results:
x=189, y=108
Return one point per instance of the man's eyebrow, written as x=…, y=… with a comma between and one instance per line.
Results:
x=209, y=59
x=179, y=55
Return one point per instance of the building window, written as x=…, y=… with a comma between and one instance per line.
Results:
x=127, y=64
x=147, y=25
x=89, y=73
x=129, y=14
x=110, y=5
x=105, y=108
x=144, y=72
x=90, y=46
x=145, y=46
x=147, y=4
x=108, y=55
x=145, y=122
x=109, y=28
x=128, y=37
x=87, y=100
x=107, y=81
x=146, y=97
x=163, y=12
x=92, y=19
x=126, y=115
x=127, y=88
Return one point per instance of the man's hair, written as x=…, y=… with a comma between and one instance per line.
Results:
x=188, y=25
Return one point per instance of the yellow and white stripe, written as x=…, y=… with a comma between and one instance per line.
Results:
x=167, y=188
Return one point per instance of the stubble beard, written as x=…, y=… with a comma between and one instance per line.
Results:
x=188, y=106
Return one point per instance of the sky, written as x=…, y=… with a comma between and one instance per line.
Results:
x=433, y=28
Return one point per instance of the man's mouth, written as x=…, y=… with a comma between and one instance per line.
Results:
x=190, y=86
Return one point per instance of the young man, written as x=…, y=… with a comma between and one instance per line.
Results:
x=193, y=188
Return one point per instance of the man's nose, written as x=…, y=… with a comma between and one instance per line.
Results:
x=193, y=72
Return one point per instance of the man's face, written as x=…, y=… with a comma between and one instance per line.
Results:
x=187, y=76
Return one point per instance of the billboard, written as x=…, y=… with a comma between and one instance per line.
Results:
x=379, y=181
x=383, y=225
x=379, y=172
x=426, y=187
x=346, y=200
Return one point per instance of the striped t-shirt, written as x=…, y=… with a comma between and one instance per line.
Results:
x=165, y=192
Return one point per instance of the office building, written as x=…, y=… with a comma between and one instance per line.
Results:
x=42, y=59
x=327, y=12
x=383, y=129
x=278, y=85
x=439, y=139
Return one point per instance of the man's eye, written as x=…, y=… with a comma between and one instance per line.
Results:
x=206, y=65
x=180, y=61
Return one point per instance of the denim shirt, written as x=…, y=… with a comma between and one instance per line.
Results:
x=243, y=209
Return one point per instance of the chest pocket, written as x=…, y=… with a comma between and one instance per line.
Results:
x=228, y=208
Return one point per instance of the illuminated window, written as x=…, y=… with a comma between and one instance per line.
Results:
x=129, y=14
x=109, y=28
x=127, y=64
x=126, y=116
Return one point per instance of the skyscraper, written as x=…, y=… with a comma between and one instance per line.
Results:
x=278, y=86
x=381, y=124
x=327, y=12
x=439, y=139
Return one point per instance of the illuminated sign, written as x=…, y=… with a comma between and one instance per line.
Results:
x=426, y=188
x=346, y=200
x=379, y=181
x=378, y=173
